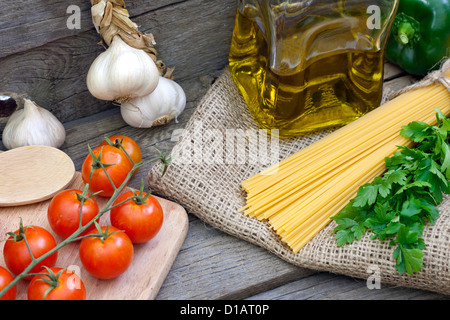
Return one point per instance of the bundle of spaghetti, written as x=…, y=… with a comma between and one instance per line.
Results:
x=298, y=195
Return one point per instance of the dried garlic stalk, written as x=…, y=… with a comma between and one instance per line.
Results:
x=111, y=18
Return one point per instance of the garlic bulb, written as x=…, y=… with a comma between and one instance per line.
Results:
x=162, y=105
x=33, y=125
x=122, y=72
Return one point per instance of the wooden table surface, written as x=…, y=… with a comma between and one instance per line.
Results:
x=212, y=264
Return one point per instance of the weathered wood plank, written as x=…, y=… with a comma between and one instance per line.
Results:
x=32, y=23
x=326, y=286
x=213, y=265
x=392, y=71
x=194, y=40
x=54, y=76
x=192, y=36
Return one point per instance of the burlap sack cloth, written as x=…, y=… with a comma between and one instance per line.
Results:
x=212, y=192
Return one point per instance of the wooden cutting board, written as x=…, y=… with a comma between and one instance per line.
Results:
x=151, y=263
x=33, y=174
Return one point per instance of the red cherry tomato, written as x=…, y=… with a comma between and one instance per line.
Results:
x=5, y=279
x=15, y=251
x=116, y=164
x=127, y=143
x=58, y=284
x=64, y=212
x=108, y=256
x=141, y=217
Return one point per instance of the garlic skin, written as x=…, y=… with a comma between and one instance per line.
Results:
x=33, y=125
x=166, y=102
x=122, y=72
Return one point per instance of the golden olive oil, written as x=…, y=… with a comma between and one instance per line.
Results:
x=299, y=78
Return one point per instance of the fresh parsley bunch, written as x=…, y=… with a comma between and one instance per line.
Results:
x=398, y=205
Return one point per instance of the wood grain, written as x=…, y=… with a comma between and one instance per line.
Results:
x=51, y=64
x=32, y=174
x=327, y=286
x=29, y=24
x=151, y=262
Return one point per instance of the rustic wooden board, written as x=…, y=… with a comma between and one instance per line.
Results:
x=151, y=263
x=192, y=36
x=327, y=286
x=29, y=24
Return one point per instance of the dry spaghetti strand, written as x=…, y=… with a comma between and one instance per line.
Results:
x=298, y=196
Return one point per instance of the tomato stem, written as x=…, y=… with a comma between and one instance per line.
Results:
x=97, y=162
x=102, y=235
x=141, y=197
x=76, y=235
x=83, y=197
x=117, y=142
x=164, y=160
x=19, y=236
x=119, y=145
x=51, y=279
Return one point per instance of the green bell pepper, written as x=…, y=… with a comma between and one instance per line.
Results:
x=420, y=36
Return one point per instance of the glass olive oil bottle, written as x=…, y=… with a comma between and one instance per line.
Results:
x=303, y=66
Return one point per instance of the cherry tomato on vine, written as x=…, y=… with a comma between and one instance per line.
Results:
x=141, y=217
x=108, y=255
x=127, y=143
x=5, y=279
x=56, y=284
x=15, y=251
x=116, y=164
x=64, y=212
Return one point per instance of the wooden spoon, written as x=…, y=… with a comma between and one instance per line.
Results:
x=33, y=174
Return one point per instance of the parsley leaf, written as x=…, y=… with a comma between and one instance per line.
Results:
x=400, y=203
x=416, y=131
x=409, y=251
